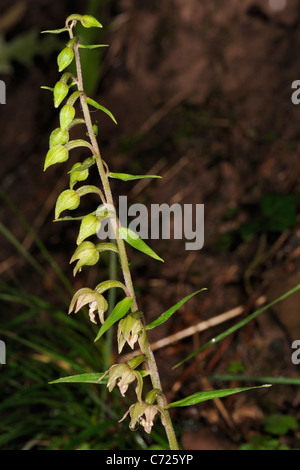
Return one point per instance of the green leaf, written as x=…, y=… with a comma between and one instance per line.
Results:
x=166, y=315
x=126, y=177
x=280, y=211
x=54, y=31
x=134, y=240
x=68, y=218
x=238, y=325
x=118, y=312
x=102, y=108
x=64, y=58
x=210, y=395
x=279, y=424
x=92, y=46
x=91, y=378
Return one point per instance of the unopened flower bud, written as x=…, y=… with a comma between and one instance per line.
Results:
x=64, y=58
x=90, y=225
x=59, y=93
x=57, y=154
x=68, y=199
x=66, y=115
x=58, y=137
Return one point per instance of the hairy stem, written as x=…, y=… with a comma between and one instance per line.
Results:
x=154, y=374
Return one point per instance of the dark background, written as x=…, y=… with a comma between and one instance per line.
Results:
x=202, y=95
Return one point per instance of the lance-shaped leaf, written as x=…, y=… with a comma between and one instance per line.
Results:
x=47, y=88
x=65, y=57
x=59, y=93
x=102, y=108
x=79, y=175
x=126, y=177
x=58, y=137
x=238, y=325
x=118, y=312
x=57, y=154
x=66, y=116
x=68, y=199
x=90, y=225
x=86, y=378
x=55, y=31
x=91, y=46
x=134, y=240
x=86, y=254
x=168, y=313
x=210, y=395
x=99, y=378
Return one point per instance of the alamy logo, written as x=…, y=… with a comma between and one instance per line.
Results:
x=158, y=220
x=2, y=92
x=2, y=352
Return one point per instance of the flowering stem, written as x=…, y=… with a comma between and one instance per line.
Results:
x=154, y=374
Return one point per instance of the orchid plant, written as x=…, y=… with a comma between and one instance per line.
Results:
x=69, y=95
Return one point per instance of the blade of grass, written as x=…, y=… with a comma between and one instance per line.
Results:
x=37, y=241
x=234, y=328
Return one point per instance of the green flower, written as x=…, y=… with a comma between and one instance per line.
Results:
x=86, y=254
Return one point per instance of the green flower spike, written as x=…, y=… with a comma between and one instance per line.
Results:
x=86, y=254
x=86, y=296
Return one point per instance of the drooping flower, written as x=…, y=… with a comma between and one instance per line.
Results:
x=95, y=301
x=123, y=375
x=86, y=254
x=130, y=330
x=143, y=413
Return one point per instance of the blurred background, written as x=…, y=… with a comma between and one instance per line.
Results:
x=202, y=95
